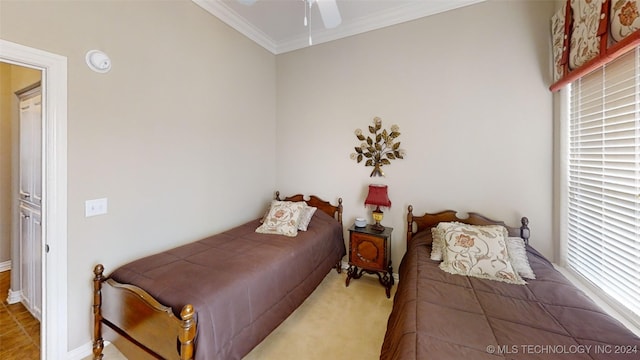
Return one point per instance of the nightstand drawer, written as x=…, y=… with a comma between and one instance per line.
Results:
x=368, y=251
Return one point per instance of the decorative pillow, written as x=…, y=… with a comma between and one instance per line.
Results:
x=283, y=218
x=437, y=233
x=306, y=216
x=478, y=251
x=515, y=246
x=518, y=256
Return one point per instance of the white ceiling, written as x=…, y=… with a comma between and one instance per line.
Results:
x=277, y=25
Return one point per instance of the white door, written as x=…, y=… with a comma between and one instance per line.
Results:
x=31, y=259
x=30, y=195
x=54, y=274
x=31, y=148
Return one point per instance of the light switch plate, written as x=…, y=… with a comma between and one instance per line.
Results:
x=95, y=207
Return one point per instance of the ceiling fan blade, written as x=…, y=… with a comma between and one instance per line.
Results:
x=330, y=13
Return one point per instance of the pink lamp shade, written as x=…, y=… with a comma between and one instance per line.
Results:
x=378, y=196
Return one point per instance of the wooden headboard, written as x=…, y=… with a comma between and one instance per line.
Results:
x=427, y=221
x=333, y=211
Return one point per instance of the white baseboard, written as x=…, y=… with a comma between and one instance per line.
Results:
x=5, y=266
x=14, y=297
x=83, y=351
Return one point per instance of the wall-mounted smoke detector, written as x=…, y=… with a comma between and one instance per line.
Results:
x=98, y=61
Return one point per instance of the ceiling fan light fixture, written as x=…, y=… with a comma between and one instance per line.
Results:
x=328, y=9
x=329, y=13
x=307, y=10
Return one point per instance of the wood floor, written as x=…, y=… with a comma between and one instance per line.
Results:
x=19, y=330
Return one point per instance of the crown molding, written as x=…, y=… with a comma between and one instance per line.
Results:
x=220, y=10
x=381, y=19
x=402, y=13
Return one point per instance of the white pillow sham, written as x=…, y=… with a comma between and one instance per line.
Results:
x=306, y=216
x=518, y=256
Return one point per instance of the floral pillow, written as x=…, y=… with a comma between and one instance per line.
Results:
x=438, y=232
x=283, y=218
x=479, y=251
x=515, y=246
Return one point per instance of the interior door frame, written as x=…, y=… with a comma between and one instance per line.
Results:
x=53, y=327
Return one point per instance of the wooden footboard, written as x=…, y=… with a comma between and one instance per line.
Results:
x=135, y=315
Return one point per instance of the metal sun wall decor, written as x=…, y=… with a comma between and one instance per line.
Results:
x=379, y=148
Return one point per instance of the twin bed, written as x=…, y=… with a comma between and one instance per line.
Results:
x=219, y=297
x=437, y=315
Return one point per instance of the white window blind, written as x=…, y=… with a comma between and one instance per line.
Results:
x=603, y=235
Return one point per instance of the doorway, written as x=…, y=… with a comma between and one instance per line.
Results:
x=53, y=68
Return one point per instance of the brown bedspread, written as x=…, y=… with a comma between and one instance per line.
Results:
x=242, y=284
x=441, y=316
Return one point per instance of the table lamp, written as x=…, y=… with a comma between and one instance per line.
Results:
x=377, y=197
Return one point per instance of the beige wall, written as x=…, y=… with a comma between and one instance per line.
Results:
x=182, y=135
x=12, y=78
x=468, y=89
x=179, y=136
x=5, y=163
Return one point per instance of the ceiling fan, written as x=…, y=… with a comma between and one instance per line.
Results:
x=328, y=11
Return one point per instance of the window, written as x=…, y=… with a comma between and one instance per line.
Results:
x=603, y=195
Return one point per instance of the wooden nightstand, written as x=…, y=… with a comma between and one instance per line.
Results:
x=370, y=250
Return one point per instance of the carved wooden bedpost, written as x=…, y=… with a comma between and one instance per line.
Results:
x=339, y=214
x=524, y=229
x=410, y=223
x=98, y=342
x=187, y=332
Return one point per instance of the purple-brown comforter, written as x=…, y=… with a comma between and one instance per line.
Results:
x=441, y=316
x=242, y=284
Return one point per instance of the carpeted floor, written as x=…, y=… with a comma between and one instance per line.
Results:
x=335, y=322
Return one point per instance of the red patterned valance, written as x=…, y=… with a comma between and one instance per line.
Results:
x=587, y=34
